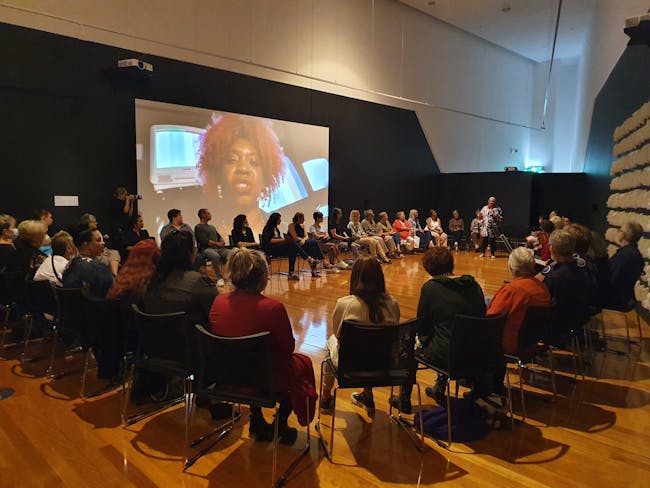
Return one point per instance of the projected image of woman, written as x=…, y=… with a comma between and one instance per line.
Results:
x=240, y=164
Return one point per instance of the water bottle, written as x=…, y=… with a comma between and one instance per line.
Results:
x=456, y=246
x=488, y=251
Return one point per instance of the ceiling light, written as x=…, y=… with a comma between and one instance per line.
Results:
x=506, y=8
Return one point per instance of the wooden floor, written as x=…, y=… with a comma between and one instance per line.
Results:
x=596, y=434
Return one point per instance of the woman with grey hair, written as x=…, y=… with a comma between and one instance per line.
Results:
x=515, y=297
x=626, y=266
x=246, y=311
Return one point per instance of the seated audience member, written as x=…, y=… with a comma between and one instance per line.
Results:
x=569, y=285
x=441, y=299
x=28, y=257
x=367, y=303
x=434, y=225
x=387, y=230
x=53, y=267
x=423, y=234
x=135, y=274
x=338, y=234
x=275, y=244
x=246, y=311
x=371, y=228
x=475, y=230
x=84, y=271
x=211, y=244
x=599, y=259
x=8, y=233
x=296, y=231
x=556, y=220
x=45, y=217
x=375, y=244
x=625, y=267
x=541, y=246
x=319, y=233
x=175, y=286
x=241, y=234
x=582, y=238
x=515, y=297
x=406, y=233
x=456, y=229
x=175, y=225
x=109, y=257
x=136, y=233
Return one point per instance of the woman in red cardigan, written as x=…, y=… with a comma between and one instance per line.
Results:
x=246, y=311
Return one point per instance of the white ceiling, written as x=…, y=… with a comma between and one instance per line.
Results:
x=522, y=26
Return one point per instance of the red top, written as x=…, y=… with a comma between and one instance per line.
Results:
x=239, y=314
x=545, y=247
x=403, y=228
x=514, y=299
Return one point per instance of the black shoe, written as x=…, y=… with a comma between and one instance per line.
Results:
x=362, y=401
x=220, y=411
x=401, y=404
x=437, y=392
x=260, y=430
x=327, y=405
x=288, y=435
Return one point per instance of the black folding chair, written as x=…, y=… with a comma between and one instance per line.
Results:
x=105, y=331
x=71, y=324
x=534, y=330
x=372, y=355
x=11, y=287
x=41, y=305
x=474, y=349
x=271, y=258
x=164, y=347
x=239, y=370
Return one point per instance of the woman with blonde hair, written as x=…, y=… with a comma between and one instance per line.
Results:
x=246, y=311
x=376, y=244
x=28, y=257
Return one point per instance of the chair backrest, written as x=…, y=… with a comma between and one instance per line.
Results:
x=376, y=350
x=236, y=362
x=102, y=315
x=41, y=297
x=535, y=327
x=475, y=344
x=11, y=286
x=166, y=337
x=231, y=243
x=70, y=317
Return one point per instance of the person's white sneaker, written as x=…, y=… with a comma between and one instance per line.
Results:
x=221, y=283
x=342, y=265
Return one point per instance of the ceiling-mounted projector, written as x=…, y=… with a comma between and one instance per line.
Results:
x=135, y=64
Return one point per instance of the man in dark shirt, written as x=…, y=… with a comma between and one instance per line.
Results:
x=211, y=245
x=568, y=283
x=625, y=267
x=123, y=208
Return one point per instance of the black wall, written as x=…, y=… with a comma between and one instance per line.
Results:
x=67, y=126
x=626, y=89
x=523, y=197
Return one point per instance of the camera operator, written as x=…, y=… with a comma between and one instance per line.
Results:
x=122, y=209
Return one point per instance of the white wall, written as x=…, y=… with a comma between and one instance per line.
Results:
x=476, y=102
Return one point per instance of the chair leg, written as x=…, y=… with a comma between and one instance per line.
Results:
x=521, y=390
x=50, y=369
x=305, y=450
x=5, y=327
x=552, y=367
x=638, y=323
x=276, y=425
x=82, y=392
x=189, y=410
x=127, y=383
x=331, y=449
x=448, y=414
x=28, y=332
x=512, y=419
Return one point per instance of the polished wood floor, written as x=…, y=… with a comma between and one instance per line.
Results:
x=596, y=434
